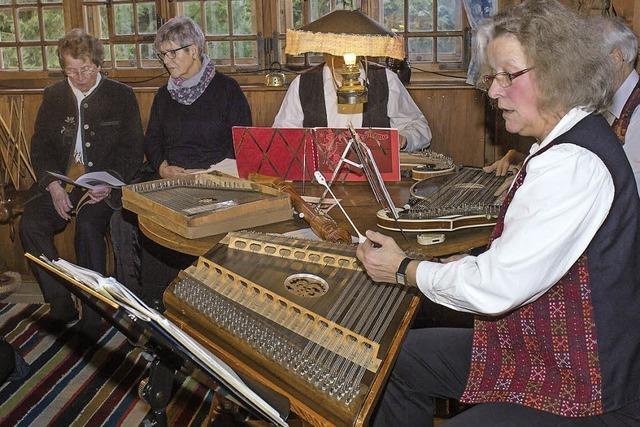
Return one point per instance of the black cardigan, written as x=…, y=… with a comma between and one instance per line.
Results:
x=196, y=136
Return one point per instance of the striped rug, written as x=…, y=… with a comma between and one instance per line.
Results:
x=91, y=386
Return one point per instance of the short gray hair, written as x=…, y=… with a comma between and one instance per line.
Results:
x=617, y=34
x=572, y=67
x=181, y=30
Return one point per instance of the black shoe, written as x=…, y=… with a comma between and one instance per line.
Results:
x=21, y=369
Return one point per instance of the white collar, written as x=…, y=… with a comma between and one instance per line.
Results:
x=623, y=93
x=81, y=95
x=569, y=120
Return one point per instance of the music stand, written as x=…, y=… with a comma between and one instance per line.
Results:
x=147, y=328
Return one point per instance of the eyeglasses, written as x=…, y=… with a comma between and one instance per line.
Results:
x=171, y=53
x=503, y=78
x=87, y=70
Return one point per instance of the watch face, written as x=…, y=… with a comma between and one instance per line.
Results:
x=400, y=278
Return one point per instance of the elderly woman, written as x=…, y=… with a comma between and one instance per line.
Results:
x=89, y=122
x=192, y=115
x=189, y=129
x=558, y=288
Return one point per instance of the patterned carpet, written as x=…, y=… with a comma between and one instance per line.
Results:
x=71, y=384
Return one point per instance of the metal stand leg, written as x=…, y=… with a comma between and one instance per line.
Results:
x=157, y=392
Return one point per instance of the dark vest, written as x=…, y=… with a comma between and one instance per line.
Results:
x=314, y=109
x=621, y=124
x=573, y=351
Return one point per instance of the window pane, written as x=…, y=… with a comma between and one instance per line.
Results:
x=244, y=16
x=393, y=15
x=449, y=15
x=146, y=18
x=125, y=55
x=52, y=58
x=5, y=2
x=420, y=15
x=51, y=1
x=7, y=29
x=123, y=14
x=8, y=58
x=219, y=52
x=97, y=21
x=29, y=25
x=31, y=58
x=246, y=52
x=25, y=2
x=319, y=8
x=421, y=49
x=191, y=9
x=53, y=23
x=298, y=13
x=107, y=56
x=148, y=56
x=217, y=17
x=449, y=49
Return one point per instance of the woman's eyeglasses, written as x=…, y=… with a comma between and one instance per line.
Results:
x=87, y=70
x=503, y=78
x=171, y=53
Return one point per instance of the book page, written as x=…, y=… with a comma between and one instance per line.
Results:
x=91, y=180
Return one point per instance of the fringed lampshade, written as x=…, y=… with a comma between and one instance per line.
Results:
x=342, y=32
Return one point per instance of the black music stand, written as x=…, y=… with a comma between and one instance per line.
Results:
x=170, y=352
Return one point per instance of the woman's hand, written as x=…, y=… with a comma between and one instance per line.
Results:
x=381, y=257
x=98, y=194
x=509, y=162
x=167, y=171
x=60, y=199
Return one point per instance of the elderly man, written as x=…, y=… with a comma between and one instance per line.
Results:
x=86, y=122
x=311, y=101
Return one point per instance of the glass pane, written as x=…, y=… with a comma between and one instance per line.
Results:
x=243, y=13
x=8, y=58
x=148, y=56
x=449, y=49
x=420, y=15
x=53, y=23
x=123, y=14
x=449, y=15
x=51, y=1
x=7, y=29
x=25, y=2
x=52, y=58
x=29, y=25
x=107, y=56
x=297, y=18
x=319, y=8
x=219, y=52
x=217, y=17
x=393, y=15
x=5, y=2
x=421, y=49
x=191, y=9
x=245, y=52
x=146, y=18
x=31, y=58
x=96, y=21
x=125, y=55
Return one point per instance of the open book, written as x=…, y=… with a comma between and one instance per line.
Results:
x=91, y=180
x=113, y=290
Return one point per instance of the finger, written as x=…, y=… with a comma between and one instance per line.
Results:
x=489, y=168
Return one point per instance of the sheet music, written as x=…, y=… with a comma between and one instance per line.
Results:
x=114, y=290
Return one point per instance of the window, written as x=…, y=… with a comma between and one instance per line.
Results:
x=240, y=34
x=29, y=31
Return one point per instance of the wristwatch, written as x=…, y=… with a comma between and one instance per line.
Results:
x=401, y=274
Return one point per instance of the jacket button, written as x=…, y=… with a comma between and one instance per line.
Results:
x=92, y=133
x=86, y=127
x=87, y=144
x=90, y=164
x=85, y=105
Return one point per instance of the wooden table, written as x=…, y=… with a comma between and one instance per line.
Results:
x=359, y=202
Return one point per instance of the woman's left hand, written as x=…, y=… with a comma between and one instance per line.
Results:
x=381, y=256
x=98, y=194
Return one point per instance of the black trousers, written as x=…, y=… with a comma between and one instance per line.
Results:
x=40, y=222
x=434, y=362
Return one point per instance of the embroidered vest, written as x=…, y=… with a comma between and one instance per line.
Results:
x=573, y=351
x=621, y=124
x=314, y=109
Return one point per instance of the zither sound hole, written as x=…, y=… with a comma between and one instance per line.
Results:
x=306, y=285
